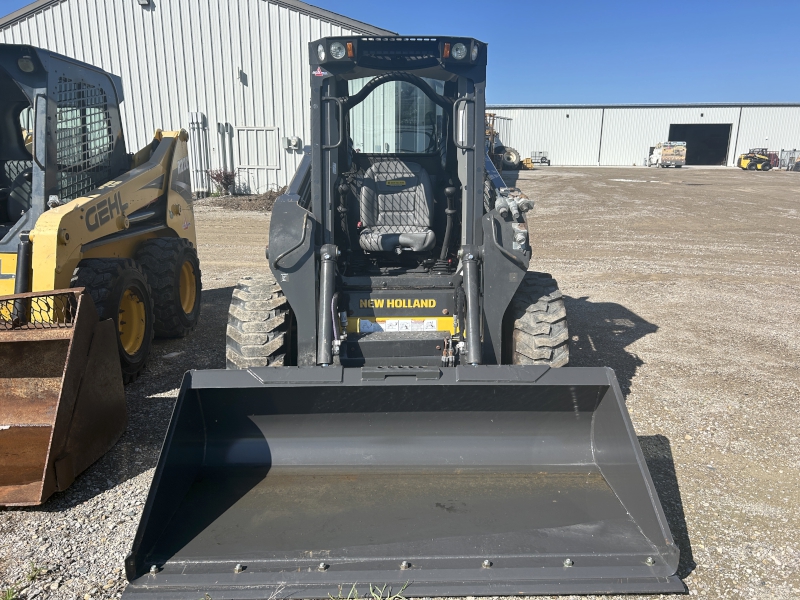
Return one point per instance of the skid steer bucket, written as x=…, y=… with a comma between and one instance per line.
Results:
x=62, y=404
x=487, y=480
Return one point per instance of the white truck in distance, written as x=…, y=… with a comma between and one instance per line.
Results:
x=667, y=154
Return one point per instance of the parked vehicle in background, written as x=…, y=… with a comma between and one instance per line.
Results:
x=503, y=157
x=667, y=154
x=790, y=160
x=540, y=158
x=757, y=159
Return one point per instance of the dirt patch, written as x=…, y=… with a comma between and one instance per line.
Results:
x=259, y=202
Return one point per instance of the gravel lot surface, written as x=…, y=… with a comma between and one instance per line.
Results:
x=684, y=281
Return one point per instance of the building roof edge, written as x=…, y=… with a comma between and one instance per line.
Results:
x=310, y=9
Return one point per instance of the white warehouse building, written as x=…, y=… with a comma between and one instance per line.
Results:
x=235, y=73
x=619, y=135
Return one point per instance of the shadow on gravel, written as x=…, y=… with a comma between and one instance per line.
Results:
x=601, y=332
x=658, y=455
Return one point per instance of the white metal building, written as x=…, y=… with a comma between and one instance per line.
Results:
x=234, y=73
x=715, y=134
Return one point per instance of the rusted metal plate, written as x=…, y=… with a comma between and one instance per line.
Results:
x=62, y=403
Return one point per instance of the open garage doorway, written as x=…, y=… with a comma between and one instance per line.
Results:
x=706, y=144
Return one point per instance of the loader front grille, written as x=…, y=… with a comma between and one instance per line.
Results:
x=39, y=310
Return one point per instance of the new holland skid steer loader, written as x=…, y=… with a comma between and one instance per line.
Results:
x=97, y=254
x=392, y=412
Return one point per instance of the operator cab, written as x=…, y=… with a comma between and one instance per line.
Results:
x=60, y=135
x=397, y=171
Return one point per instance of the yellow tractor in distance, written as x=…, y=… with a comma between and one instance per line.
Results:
x=757, y=159
x=97, y=254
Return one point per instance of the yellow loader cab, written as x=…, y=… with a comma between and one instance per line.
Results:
x=756, y=159
x=77, y=210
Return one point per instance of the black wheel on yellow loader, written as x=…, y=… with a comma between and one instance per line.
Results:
x=259, y=325
x=535, y=324
x=173, y=272
x=120, y=291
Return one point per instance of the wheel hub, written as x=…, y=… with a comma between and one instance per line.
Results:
x=188, y=288
x=131, y=321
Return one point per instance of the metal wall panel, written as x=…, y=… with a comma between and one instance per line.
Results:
x=568, y=140
x=774, y=127
x=628, y=133
x=243, y=63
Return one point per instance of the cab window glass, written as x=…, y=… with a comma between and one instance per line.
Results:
x=396, y=118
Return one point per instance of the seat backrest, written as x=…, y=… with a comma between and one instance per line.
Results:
x=19, y=195
x=396, y=194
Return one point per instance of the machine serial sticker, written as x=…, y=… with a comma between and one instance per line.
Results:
x=367, y=326
x=396, y=182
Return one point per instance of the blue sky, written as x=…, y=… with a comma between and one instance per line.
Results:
x=609, y=52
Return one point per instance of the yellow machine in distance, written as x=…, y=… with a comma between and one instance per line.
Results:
x=97, y=252
x=757, y=159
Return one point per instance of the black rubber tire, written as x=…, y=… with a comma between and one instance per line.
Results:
x=162, y=260
x=766, y=166
x=105, y=280
x=751, y=166
x=511, y=158
x=258, y=324
x=535, y=325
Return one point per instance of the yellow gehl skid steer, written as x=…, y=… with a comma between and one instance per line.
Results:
x=97, y=251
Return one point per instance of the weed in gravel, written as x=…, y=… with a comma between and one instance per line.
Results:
x=10, y=594
x=33, y=572
x=352, y=594
x=375, y=593
x=378, y=593
x=273, y=596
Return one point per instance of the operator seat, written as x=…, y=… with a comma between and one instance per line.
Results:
x=396, y=202
x=19, y=195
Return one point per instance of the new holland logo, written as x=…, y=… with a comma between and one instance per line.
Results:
x=397, y=303
x=396, y=182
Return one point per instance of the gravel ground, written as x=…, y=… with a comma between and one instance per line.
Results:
x=684, y=281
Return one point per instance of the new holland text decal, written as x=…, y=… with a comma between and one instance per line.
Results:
x=397, y=303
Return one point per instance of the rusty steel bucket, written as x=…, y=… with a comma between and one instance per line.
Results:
x=62, y=402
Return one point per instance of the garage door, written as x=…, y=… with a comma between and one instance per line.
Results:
x=706, y=144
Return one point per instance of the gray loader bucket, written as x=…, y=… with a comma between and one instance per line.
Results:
x=490, y=480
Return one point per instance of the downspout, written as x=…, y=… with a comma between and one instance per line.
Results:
x=600, y=148
x=736, y=143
